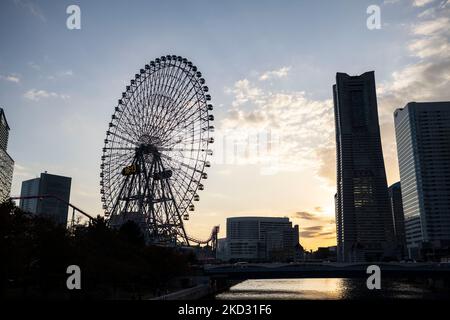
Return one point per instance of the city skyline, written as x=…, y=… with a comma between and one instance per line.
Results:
x=63, y=99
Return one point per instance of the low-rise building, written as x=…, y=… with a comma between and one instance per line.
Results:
x=259, y=239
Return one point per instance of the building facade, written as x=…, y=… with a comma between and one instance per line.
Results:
x=47, y=185
x=261, y=239
x=6, y=162
x=398, y=218
x=364, y=230
x=423, y=146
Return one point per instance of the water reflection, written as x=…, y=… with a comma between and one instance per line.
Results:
x=331, y=289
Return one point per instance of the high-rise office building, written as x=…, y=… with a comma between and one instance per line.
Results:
x=395, y=197
x=6, y=162
x=423, y=146
x=261, y=239
x=365, y=230
x=55, y=207
x=339, y=246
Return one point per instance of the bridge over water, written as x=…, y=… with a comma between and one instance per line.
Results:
x=324, y=270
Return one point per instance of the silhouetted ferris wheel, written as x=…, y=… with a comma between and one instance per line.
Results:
x=156, y=149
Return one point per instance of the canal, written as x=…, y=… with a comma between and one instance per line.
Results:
x=336, y=289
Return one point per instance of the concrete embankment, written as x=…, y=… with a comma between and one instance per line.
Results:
x=205, y=290
x=198, y=292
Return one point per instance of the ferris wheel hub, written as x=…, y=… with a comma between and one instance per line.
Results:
x=148, y=149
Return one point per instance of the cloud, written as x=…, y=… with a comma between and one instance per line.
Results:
x=421, y=3
x=327, y=163
x=317, y=232
x=280, y=73
x=10, y=78
x=315, y=226
x=432, y=27
x=428, y=79
x=308, y=216
x=34, y=65
x=67, y=73
x=59, y=75
x=297, y=124
x=305, y=215
x=305, y=127
x=36, y=95
x=387, y=2
x=32, y=8
x=22, y=171
x=243, y=92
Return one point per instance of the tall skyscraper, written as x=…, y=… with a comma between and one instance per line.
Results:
x=423, y=146
x=339, y=246
x=395, y=196
x=365, y=230
x=47, y=185
x=6, y=162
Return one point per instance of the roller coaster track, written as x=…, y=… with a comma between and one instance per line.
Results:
x=212, y=238
x=40, y=197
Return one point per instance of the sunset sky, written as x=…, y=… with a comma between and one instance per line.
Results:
x=270, y=66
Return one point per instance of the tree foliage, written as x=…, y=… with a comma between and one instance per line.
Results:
x=35, y=253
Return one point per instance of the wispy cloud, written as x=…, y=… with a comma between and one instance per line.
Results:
x=318, y=218
x=305, y=215
x=432, y=27
x=67, y=73
x=316, y=225
x=429, y=77
x=11, y=78
x=61, y=74
x=318, y=231
x=36, y=95
x=32, y=8
x=421, y=3
x=244, y=92
x=280, y=73
x=387, y=2
x=34, y=65
x=305, y=127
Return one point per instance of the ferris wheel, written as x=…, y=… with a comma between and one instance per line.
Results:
x=156, y=150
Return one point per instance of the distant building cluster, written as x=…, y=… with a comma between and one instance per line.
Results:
x=412, y=217
x=6, y=162
x=259, y=239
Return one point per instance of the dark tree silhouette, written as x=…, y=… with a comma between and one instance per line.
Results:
x=35, y=253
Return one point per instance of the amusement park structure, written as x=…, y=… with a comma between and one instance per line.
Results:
x=156, y=151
